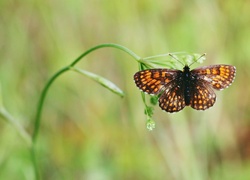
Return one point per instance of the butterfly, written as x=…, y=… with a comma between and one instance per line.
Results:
x=177, y=89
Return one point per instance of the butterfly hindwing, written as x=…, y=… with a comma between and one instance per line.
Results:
x=172, y=100
x=202, y=95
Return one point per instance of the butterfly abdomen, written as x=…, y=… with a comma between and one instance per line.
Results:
x=187, y=82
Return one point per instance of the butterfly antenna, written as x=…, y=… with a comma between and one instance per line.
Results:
x=176, y=58
x=198, y=59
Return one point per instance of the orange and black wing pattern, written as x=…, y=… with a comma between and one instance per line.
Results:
x=202, y=95
x=154, y=81
x=219, y=76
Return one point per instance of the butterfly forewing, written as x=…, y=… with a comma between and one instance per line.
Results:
x=153, y=81
x=219, y=76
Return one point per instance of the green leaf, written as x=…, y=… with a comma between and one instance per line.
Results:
x=154, y=100
x=149, y=111
x=101, y=80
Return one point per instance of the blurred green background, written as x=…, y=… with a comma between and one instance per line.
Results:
x=87, y=132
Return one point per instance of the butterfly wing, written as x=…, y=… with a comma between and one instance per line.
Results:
x=172, y=100
x=154, y=81
x=202, y=95
x=218, y=76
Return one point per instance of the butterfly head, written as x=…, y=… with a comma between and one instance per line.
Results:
x=187, y=61
x=186, y=72
x=186, y=68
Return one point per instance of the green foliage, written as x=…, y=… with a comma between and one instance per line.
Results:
x=154, y=100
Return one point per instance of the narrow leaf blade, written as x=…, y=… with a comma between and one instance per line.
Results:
x=102, y=81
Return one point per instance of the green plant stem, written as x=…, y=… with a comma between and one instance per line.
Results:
x=164, y=55
x=41, y=102
x=47, y=86
x=38, y=118
x=137, y=58
x=44, y=92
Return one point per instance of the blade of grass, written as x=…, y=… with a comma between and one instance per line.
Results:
x=101, y=80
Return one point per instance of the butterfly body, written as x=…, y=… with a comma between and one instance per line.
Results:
x=187, y=81
x=178, y=89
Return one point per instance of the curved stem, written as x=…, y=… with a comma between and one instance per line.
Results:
x=44, y=92
x=47, y=86
x=107, y=45
x=41, y=102
x=38, y=119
